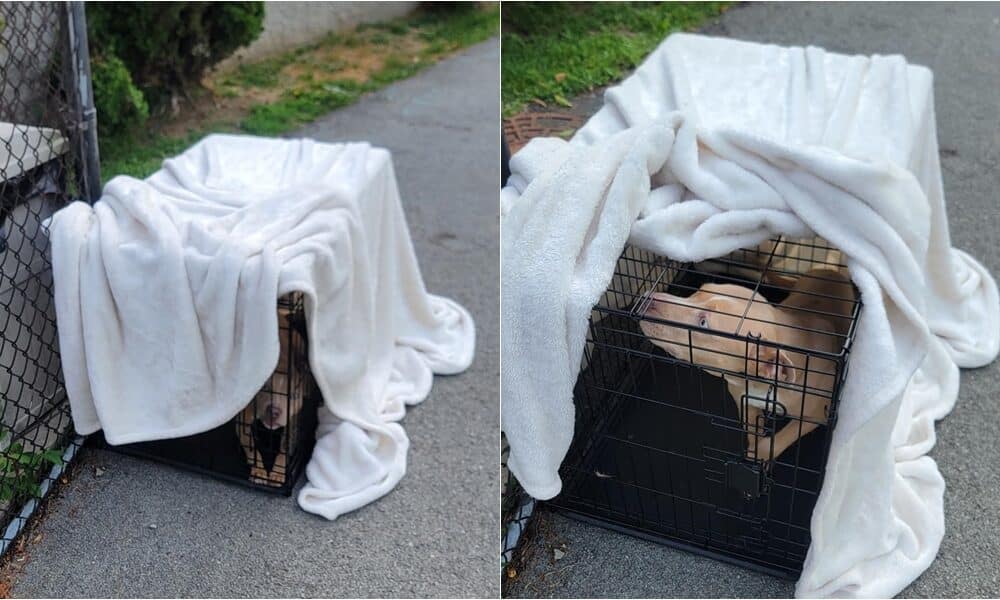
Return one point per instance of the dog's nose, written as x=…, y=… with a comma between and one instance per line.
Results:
x=273, y=412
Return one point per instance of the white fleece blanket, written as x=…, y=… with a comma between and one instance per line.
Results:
x=166, y=293
x=714, y=145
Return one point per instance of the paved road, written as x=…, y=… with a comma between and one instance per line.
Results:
x=961, y=43
x=436, y=533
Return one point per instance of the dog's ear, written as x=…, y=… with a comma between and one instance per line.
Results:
x=772, y=362
x=713, y=303
x=721, y=305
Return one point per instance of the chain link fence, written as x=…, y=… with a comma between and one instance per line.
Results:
x=48, y=157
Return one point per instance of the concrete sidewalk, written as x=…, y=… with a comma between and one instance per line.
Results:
x=436, y=533
x=961, y=43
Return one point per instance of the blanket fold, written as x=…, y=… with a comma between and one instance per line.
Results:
x=715, y=145
x=166, y=292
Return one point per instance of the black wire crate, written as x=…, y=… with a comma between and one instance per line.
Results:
x=707, y=397
x=268, y=443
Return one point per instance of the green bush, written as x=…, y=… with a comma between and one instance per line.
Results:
x=166, y=46
x=120, y=105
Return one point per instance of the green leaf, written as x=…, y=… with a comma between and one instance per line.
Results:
x=53, y=456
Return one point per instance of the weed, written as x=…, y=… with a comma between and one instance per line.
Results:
x=20, y=469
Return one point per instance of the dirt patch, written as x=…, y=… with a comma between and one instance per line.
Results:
x=192, y=114
x=352, y=63
x=536, y=572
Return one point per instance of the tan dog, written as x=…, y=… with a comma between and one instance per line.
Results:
x=803, y=392
x=267, y=425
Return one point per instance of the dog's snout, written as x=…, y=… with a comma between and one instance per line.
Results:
x=273, y=411
x=655, y=305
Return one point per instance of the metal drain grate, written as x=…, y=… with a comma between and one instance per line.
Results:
x=520, y=129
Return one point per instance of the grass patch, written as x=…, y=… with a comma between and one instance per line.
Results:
x=282, y=93
x=261, y=74
x=465, y=26
x=141, y=155
x=553, y=51
x=301, y=106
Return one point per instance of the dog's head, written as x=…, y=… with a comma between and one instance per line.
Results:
x=720, y=308
x=283, y=396
x=271, y=407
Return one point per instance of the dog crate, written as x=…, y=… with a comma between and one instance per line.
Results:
x=267, y=445
x=692, y=456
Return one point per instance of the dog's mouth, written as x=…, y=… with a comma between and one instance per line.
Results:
x=272, y=417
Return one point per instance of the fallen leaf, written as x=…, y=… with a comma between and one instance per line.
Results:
x=558, y=554
x=561, y=100
x=99, y=471
x=560, y=76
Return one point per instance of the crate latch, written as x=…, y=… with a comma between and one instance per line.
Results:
x=746, y=478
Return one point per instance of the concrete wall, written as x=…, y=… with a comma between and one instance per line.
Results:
x=291, y=24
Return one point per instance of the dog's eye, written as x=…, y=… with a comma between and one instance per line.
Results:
x=703, y=321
